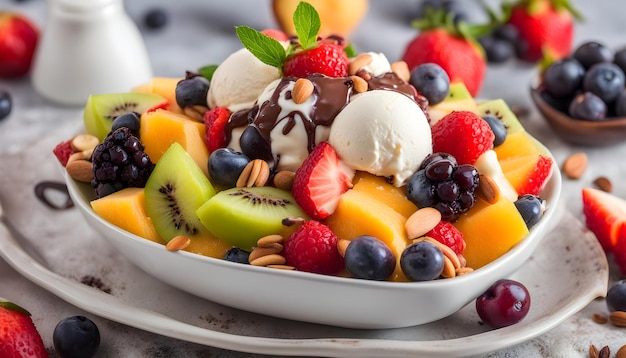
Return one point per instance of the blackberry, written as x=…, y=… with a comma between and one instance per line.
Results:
x=443, y=184
x=120, y=162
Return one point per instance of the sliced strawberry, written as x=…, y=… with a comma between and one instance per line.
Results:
x=320, y=181
x=215, y=121
x=449, y=235
x=605, y=216
x=462, y=134
x=313, y=248
x=63, y=151
x=619, y=251
x=327, y=58
x=19, y=337
x=537, y=178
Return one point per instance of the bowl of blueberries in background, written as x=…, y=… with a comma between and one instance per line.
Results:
x=583, y=96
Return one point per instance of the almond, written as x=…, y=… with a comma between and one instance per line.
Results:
x=593, y=351
x=575, y=165
x=342, y=245
x=258, y=252
x=604, y=184
x=621, y=352
x=284, y=179
x=401, y=69
x=302, y=90
x=256, y=173
x=178, y=243
x=599, y=318
x=488, y=189
x=272, y=259
x=83, y=142
x=359, y=62
x=80, y=170
x=360, y=85
x=270, y=240
x=421, y=222
x=618, y=318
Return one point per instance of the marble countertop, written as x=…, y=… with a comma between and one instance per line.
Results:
x=201, y=33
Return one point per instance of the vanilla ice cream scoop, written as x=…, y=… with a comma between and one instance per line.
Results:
x=384, y=133
x=239, y=80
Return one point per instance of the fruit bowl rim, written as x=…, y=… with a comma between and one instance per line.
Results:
x=78, y=192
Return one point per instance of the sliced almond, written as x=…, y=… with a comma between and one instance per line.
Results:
x=463, y=270
x=284, y=179
x=83, y=142
x=359, y=62
x=258, y=252
x=281, y=267
x=80, y=170
x=421, y=222
x=270, y=240
x=448, y=268
x=179, y=242
x=273, y=259
x=488, y=189
x=360, y=85
x=302, y=90
x=575, y=165
x=401, y=69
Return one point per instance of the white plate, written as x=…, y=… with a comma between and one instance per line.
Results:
x=566, y=272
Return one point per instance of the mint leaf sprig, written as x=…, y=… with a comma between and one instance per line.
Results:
x=270, y=51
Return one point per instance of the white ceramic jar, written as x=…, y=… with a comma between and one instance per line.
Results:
x=88, y=47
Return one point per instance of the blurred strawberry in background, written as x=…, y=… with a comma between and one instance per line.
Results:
x=18, y=40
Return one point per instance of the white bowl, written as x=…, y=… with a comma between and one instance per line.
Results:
x=307, y=297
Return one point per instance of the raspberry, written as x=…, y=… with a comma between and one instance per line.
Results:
x=63, y=151
x=464, y=135
x=215, y=121
x=313, y=248
x=120, y=162
x=449, y=235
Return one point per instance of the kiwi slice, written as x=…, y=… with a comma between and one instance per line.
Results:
x=499, y=109
x=101, y=109
x=174, y=191
x=241, y=216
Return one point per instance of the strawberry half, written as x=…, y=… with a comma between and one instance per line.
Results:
x=320, y=181
x=464, y=135
x=605, y=216
x=215, y=121
x=451, y=46
x=544, y=26
x=19, y=337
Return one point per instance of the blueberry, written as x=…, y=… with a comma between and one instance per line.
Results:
x=255, y=146
x=129, y=120
x=369, y=258
x=588, y=106
x=225, y=165
x=237, y=255
x=606, y=80
x=620, y=104
x=6, y=104
x=76, y=337
x=498, y=129
x=419, y=190
x=155, y=18
x=497, y=49
x=192, y=91
x=616, y=297
x=506, y=32
x=620, y=59
x=591, y=53
x=422, y=261
x=531, y=209
x=431, y=81
x=563, y=77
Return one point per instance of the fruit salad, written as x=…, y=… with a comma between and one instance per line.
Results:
x=298, y=153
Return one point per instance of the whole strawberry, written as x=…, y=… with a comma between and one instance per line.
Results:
x=450, y=45
x=18, y=335
x=303, y=57
x=546, y=27
x=313, y=248
x=464, y=135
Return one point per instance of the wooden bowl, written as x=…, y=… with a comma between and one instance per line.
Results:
x=580, y=132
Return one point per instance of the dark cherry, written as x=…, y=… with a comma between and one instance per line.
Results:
x=505, y=303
